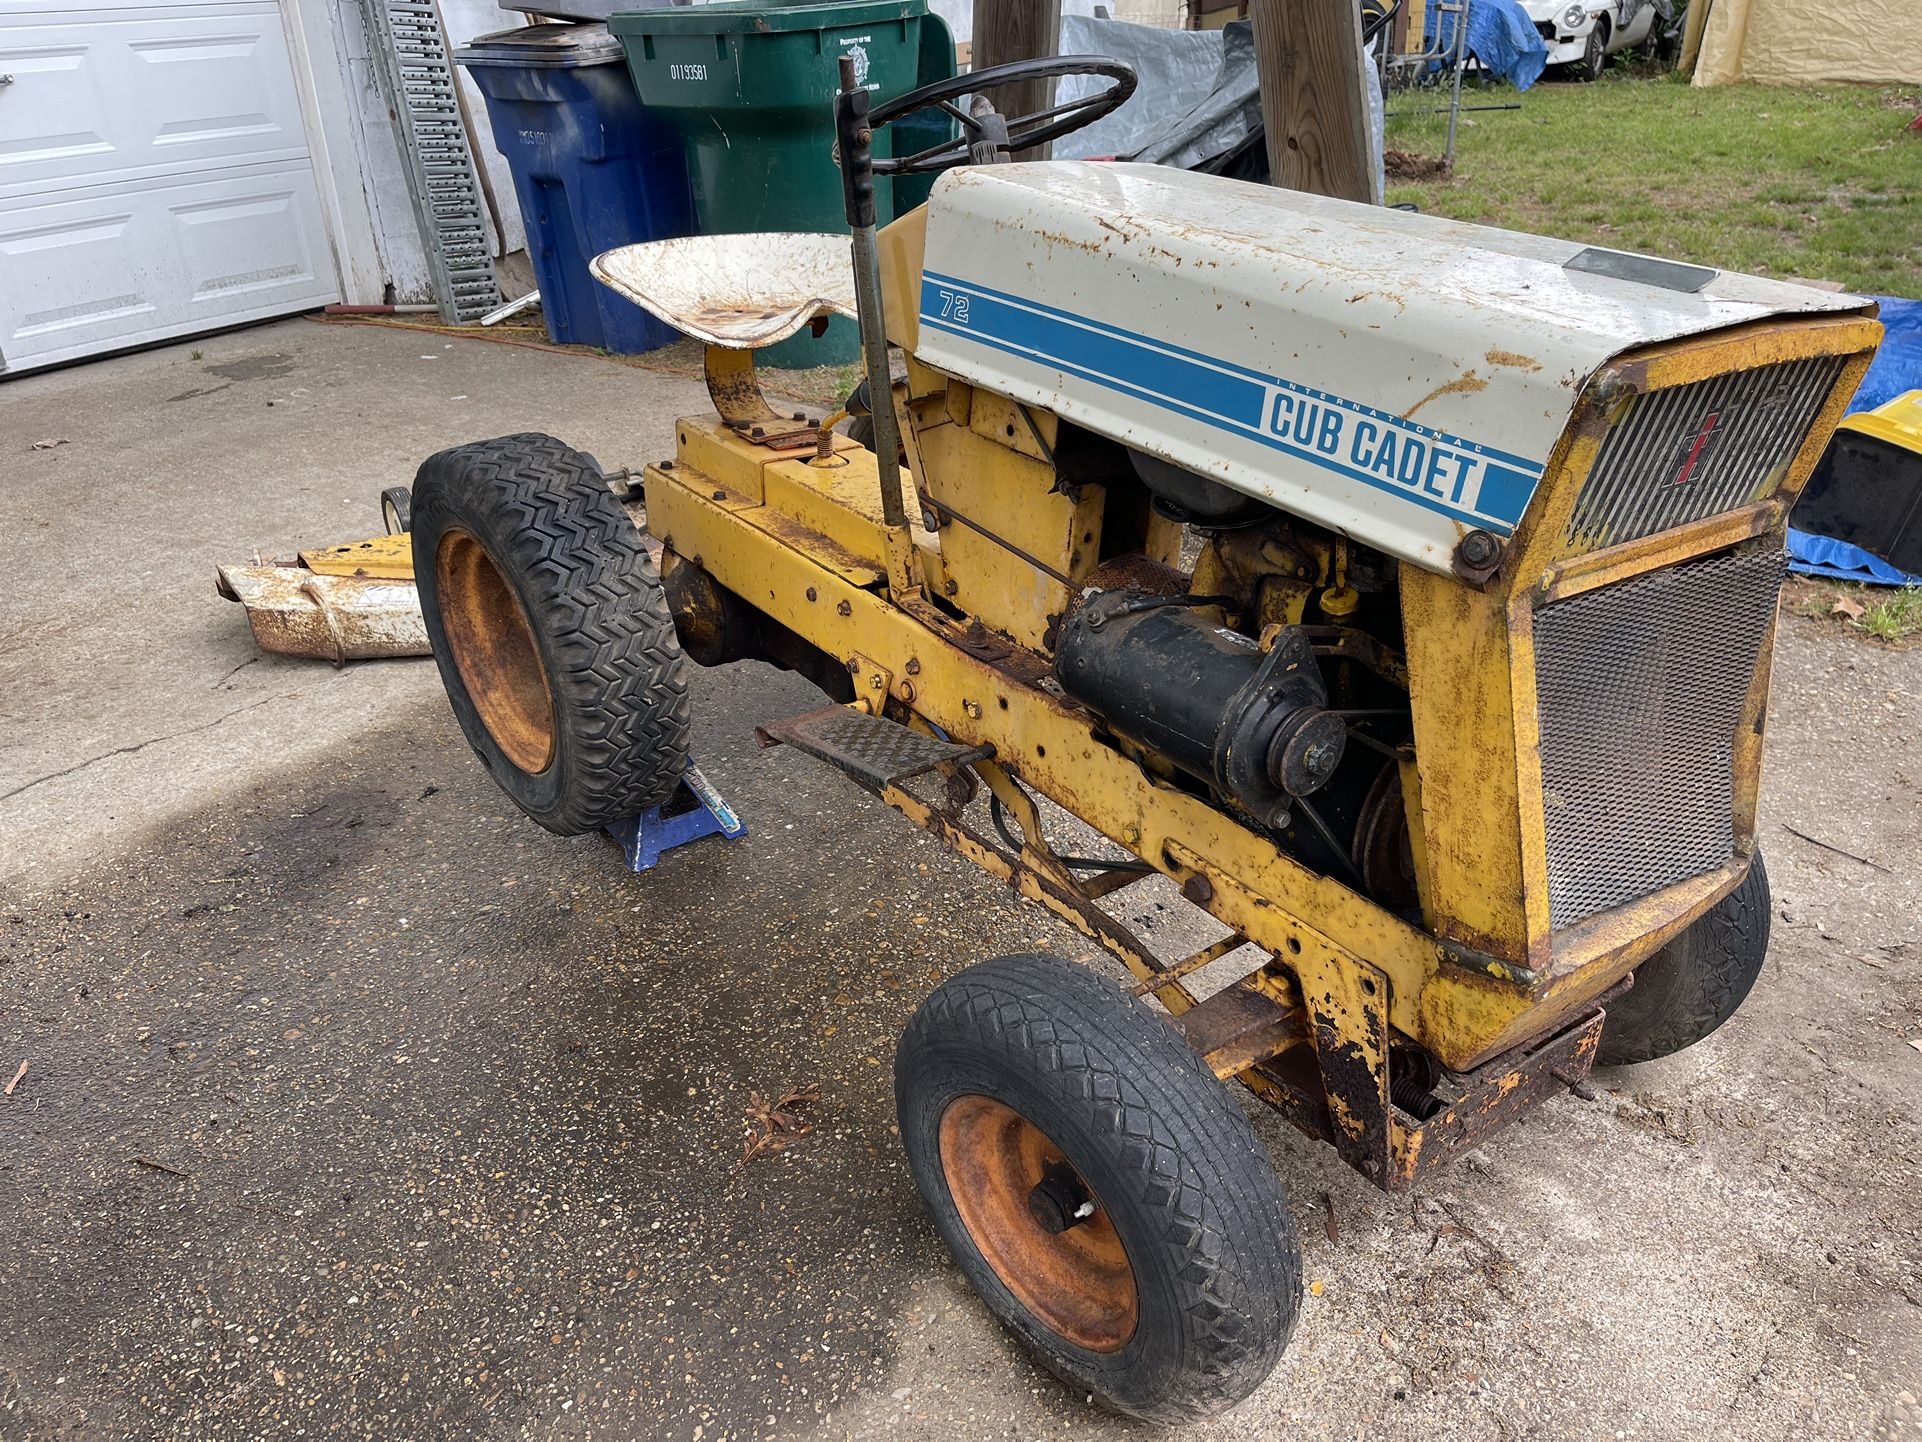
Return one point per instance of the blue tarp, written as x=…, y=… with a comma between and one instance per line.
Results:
x=1898, y=365
x=1897, y=369
x=1500, y=35
x=1814, y=555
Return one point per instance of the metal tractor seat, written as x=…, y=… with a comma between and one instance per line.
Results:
x=738, y=294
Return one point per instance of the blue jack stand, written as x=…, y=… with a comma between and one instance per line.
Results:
x=693, y=811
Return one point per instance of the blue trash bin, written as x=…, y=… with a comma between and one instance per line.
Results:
x=592, y=170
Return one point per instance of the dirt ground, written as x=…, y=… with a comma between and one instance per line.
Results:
x=355, y=1106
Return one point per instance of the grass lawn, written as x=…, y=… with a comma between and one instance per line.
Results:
x=1890, y=616
x=1822, y=184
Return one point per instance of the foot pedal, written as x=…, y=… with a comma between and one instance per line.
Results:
x=693, y=811
x=872, y=750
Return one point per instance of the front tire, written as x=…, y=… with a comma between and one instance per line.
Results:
x=1695, y=983
x=1098, y=1187
x=550, y=629
x=1594, y=54
x=396, y=509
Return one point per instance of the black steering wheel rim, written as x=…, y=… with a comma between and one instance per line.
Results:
x=1024, y=131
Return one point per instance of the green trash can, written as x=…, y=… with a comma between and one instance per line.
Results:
x=750, y=86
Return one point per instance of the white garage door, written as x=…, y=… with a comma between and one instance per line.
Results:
x=154, y=176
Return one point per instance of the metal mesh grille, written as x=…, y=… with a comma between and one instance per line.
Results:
x=1697, y=450
x=1640, y=687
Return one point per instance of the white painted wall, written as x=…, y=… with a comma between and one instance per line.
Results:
x=376, y=157
x=364, y=150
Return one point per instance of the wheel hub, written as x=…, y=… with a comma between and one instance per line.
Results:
x=494, y=649
x=1038, y=1224
x=1060, y=1201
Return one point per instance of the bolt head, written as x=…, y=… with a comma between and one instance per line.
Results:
x=1478, y=549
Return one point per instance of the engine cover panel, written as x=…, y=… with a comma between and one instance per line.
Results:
x=1399, y=378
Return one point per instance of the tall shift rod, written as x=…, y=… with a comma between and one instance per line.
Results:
x=855, y=140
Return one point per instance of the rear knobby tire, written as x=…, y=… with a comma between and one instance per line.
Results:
x=550, y=630
x=1177, y=1295
x=1695, y=983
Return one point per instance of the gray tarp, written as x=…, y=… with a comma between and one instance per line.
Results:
x=1205, y=79
x=1176, y=69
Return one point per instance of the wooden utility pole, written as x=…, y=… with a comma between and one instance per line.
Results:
x=1309, y=61
x=1006, y=30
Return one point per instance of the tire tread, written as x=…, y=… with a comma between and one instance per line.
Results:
x=593, y=596
x=1217, y=1204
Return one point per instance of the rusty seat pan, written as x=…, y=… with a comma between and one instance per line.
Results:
x=737, y=291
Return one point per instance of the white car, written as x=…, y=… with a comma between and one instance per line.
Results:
x=1582, y=34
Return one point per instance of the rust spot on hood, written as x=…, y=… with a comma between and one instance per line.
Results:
x=1498, y=357
x=1466, y=383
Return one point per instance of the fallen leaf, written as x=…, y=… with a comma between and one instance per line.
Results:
x=49, y=443
x=1847, y=606
x=1916, y=1043
x=16, y=1079
x=773, y=1127
x=1314, y=1289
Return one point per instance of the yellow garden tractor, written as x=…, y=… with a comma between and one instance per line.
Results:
x=1401, y=590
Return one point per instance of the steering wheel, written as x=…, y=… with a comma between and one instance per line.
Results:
x=980, y=124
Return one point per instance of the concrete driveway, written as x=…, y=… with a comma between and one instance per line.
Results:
x=357, y=1106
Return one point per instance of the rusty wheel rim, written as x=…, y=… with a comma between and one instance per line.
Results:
x=1076, y=1282
x=494, y=651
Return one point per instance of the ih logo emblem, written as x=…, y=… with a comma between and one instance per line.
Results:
x=1762, y=416
x=1695, y=449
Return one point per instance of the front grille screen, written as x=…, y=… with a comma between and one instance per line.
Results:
x=1698, y=450
x=1640, y=687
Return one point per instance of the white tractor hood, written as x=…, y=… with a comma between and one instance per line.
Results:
x=1397, y=377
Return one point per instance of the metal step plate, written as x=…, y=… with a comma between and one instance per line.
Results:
x=872, y=750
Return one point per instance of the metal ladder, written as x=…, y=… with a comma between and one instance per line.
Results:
x=417, y=78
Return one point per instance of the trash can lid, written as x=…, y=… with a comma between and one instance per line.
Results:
x=551, y=46
x=736, y=17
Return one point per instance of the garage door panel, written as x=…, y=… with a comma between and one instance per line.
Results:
x=213, y=91
x=67, y=121
x=155, y=179
x=156, y=260
x=245, y=244
x=70, y=274
x=101, y=101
